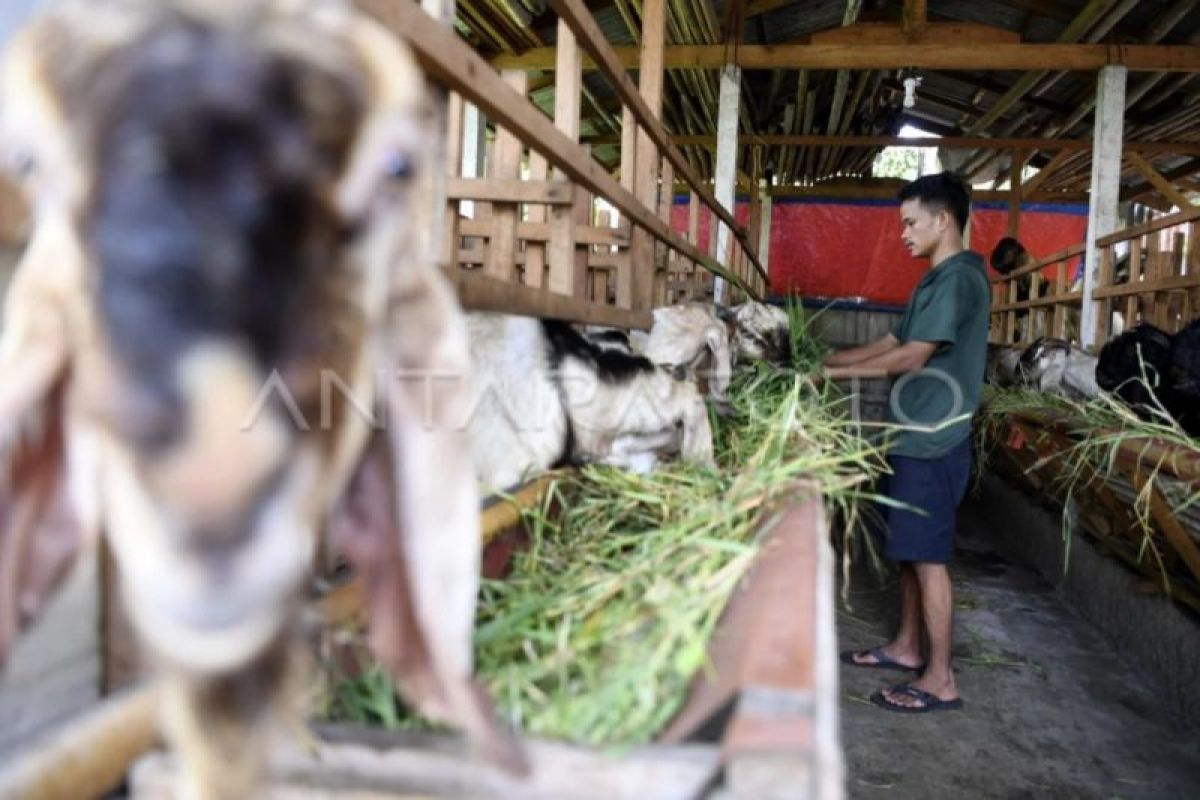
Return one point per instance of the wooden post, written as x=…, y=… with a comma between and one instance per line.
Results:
x=436, y=242
x=628, y=167
x=568, y=81
x=455, y=117
x=501, y=258
x=764, y=238
x=693, y=235
x=1014, y=193
x=726, y=167
x=650, y=84
x=1105, y=189
x=665, y=259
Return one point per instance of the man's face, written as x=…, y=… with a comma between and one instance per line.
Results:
x=919, y=229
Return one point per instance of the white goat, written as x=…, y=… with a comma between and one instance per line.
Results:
x=1054, y=366
x=547, y=396
x=692, y=336
x=224, y=214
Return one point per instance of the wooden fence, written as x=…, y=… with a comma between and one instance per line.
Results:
x=1161, y=286
x=522, y=231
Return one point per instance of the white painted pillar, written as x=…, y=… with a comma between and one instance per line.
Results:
x=1105, y=192
x=726, y=168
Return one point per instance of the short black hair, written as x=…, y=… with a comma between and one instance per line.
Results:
x=944, y=191
x=1008, y=255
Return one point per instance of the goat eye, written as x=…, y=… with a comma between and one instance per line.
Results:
x=399, y=166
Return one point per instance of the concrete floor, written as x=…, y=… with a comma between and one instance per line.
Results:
x=1050, y=710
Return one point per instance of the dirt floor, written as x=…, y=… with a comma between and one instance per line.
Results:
x=1050, y=710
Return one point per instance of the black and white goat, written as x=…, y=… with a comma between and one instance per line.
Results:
x=1054, y=366
x=225, y=216
x=546, y=396
x=693, y=338
x=761, y=332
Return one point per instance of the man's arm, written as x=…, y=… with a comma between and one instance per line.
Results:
x=854, y=355
x=907, y=357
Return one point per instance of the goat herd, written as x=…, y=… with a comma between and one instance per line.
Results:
x=1153, y=372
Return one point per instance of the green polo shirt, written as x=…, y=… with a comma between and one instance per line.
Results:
x=950, y=307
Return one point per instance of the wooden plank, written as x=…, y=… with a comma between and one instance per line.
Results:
x=535, y=214
x=973, y=142
x=446, y=58
x=90, y=757
x=650, y=87
x=479, y=293
x=1163, y=284
x=1033, y=184
x=540, y=232
x=455, y=120
x=568, y=86
x=932, y=34
x=1014, y=200
x=344, y=763
x=1161, y=223
x=997, y=57
x=505, y=165
x=1158, y=181
x=1042, y=263
x=915, y=22
x=592, y=40
x=1169, y=524
x=1069, y=298
x=513, y=190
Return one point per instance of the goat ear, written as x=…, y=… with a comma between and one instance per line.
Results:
x=411, y=527
x=717, y=341
x=40, y=534
x=726, y=314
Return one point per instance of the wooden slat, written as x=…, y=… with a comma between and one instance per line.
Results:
x=477, y=292
x=512, y=190
x=446, y=58
x=568, y=84
x=1042, y=263
x=932, y=34
x=505, y=165
x=1069, y=297
x=650, y=87
x=1168, y=283
x=540, y=232
x=1012, y=57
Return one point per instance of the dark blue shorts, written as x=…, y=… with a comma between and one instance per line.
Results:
x=935, y=486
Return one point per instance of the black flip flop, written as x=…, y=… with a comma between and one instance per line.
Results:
x=929, y=702
x=882, y=660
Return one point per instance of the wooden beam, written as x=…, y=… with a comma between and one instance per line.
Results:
x=477, y=292
x=934, y=33
x=560, y=250
x=1163, y=185
x=446, y=58
x=915, y=21
x=1105, y=192
x=1134, y=193
x=1030, y=186
x=975, y=142
x=1012, y=57
x=1014, y=192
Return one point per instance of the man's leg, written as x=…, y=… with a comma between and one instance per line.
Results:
x=905, y=646
x=937, y=614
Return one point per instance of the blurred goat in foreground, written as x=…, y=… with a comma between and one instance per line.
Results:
x=224, y=218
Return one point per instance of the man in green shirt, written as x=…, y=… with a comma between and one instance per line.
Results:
x=937, y=353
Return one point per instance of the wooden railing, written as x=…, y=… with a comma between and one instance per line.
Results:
x=1051, y=309
x=1162, y=286
x=535, y=241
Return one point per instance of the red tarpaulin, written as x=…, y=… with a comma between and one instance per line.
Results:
x=845, y=248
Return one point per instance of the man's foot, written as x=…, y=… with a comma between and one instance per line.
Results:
x=920, y=696
x=879, y=658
